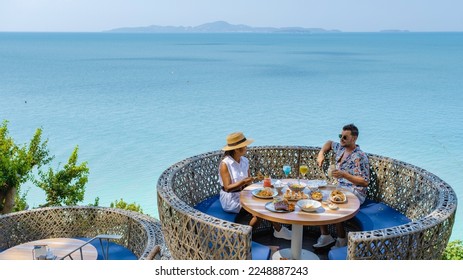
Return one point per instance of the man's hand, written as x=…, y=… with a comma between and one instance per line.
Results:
x=320, y=158
x=338, y=174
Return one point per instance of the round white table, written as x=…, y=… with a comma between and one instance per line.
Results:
x=299, y=218
x=59, y=246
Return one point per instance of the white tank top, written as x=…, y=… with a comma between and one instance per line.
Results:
x=238, y=171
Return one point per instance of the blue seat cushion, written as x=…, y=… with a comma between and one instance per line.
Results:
x=372, y=216
x=259, y=251
x=212, y=206
x=116, y=251
x=377, y=215
x=338, y=253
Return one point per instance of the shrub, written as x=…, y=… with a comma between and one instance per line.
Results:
x=121, y=204
x=454, y=251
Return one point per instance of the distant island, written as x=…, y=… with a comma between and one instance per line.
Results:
x=394, y=31
x=218, y=27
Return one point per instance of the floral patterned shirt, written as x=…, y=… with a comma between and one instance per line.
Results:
x=355, y=164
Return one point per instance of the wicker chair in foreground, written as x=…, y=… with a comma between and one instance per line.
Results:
x=140, y=233
x=425, y=200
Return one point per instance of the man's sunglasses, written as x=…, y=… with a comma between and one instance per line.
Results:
x=342, y=137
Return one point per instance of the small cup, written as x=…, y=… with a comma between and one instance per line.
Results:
x=267, y=182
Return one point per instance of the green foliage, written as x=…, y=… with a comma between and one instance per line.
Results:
x=17, y=163
x=121, y=204
x=65, y=186
x=453, y=251
x=96, y=203
x=20, y=202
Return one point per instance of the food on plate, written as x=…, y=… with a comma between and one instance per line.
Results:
x=316, y=195
x=296, y=187
x=291, y=207
x=267, y=192
x=337, y=196
x=283, y=204
x=292, y=195
x=308, y=206
x=332, y=206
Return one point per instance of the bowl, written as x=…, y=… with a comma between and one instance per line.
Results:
x=316, y=195
x=297, y=187
x=308, y=205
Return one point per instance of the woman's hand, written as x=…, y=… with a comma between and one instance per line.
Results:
x=248, y=181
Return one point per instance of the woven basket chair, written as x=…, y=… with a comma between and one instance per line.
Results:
x=140, y=233
x=425, y=199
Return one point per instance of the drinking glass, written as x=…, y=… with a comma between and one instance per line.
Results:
x=303, y=169
x=331, y=168
x=286, y=170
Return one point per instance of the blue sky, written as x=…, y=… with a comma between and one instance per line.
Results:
x=344, y=15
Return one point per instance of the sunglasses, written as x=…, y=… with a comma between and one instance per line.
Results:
x=342, y=137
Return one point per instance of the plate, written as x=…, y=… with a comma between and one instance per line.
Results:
x=340, y=192
x=316, y=195
x=344, y=201
x=304, y=196
x=315, y=205
x=271, y=207
x=333, y=206
x=297, y=187
x=255, y=193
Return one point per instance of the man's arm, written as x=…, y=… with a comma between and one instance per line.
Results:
x=356, y=180
x=361, y=174
x=321, y=155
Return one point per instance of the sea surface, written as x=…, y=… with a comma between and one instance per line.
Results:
x=137, y=103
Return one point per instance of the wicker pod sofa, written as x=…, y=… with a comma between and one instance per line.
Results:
x=140, y=233
x=427, y=204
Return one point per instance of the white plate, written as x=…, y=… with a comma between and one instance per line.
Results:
x=333, y=206
x=271, y=207
x=256, y=191
x=344, y=201
x=315, y=205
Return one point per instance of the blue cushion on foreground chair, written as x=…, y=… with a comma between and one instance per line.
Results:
x=212, y=206
x=372, y=216
x=259, y=251
x=338, y=253
x=116, y=251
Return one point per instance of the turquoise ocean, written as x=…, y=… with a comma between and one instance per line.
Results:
x=137, y=103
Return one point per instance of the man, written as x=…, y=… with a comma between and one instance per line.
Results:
x=352, y=172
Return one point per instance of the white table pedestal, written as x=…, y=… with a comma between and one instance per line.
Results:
x=296, y=252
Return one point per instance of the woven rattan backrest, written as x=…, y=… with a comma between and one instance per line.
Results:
x=140, y=233
x=190, y=234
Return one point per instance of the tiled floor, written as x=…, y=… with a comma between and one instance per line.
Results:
x=309, y=238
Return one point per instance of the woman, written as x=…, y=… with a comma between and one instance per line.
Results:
x=234, y=175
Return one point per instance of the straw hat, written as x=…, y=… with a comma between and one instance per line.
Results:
x=236, y=140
